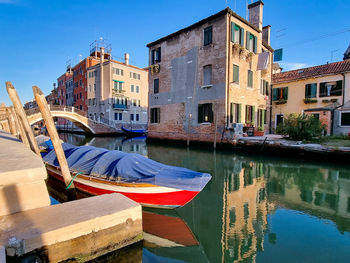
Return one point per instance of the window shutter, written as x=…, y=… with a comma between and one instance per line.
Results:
x=255, y=44
x=159, y=54
x=267, y=88
x=307, y=91
x=246, y=113
x=200, y=113
x=210, y=113
x=239, y=109
x=235, y=73
x=275, y=94
x=158, y=115
x=323, y=90
x=253, y=114
x=313, y=90
x=247, y=40
x=241, y=41
x=232, y=112
x=262, y=118
x=285, y=93
x=232, y=32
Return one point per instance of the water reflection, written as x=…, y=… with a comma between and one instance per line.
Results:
x=254, y=208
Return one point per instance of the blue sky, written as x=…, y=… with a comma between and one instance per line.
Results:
x=38, y=37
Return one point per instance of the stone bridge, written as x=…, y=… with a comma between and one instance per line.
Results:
x=78, y=117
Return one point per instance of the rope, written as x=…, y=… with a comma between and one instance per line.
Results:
x=70, y=183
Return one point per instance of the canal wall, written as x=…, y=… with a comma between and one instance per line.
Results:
x=272, y=145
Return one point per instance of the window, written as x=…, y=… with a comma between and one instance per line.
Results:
x=139, y=103
x=331, y=88
x=250, y=79
x=264, y=88
x=137, y=117
x=80, y=107
x=118, y=71
x=137, y=89
x=155, y=115
x=251, y=42
x=310, y=90
x=156, y=86
x=80, y=82
x=94, y=87
x=132, y=88
x=131, y=117
x=344, y=118
x=205, y=113
x=280, y=94
x=120, y=116
x=249, y=114
x=237, y=34
x=235, y=110
x=208, y=35
x=134, y=103
x=80, y=95
x=115, y=116
x=118, y=85
x=207, y=75
x=156, y=56
x=235, y=74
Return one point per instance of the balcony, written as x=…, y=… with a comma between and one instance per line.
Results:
x=119, y=106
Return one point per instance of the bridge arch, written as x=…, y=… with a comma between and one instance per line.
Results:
x=76, y=120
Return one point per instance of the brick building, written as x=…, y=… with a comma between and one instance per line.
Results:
x=210, y=79
x=80, y=82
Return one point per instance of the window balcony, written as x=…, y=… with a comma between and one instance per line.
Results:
x=119, y=106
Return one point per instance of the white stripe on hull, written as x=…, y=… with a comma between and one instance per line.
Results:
x=124, y=189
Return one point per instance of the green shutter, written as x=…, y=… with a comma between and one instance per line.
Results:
x=275, y=94
x=285, y=93
x=247, y=40
x=232, y=32
x=307, y=90
x=239, y=110
x=235, y=73
x=323, y=90
x=200, y=113
x=255, y=44
x=250, y=78
x=246, y=113
x=262, y=118
x=241, y=41
x=253, y=115
x=313, y=90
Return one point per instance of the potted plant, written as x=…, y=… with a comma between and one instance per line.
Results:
x=259, y=131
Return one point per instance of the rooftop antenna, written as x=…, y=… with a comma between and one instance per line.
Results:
x=246, y=15
x=80, y=57
x=333, y=51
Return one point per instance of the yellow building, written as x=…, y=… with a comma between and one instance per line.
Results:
x=117, y=93
x=318, y=90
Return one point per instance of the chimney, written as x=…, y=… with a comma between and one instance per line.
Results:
x=266, y=34
x=256, y=14
x=102, y=54
x=126, y=58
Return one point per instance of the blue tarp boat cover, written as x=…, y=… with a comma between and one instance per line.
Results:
x=127, y=167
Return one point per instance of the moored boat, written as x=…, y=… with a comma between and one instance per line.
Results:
x=99, y=171
x=132, y=133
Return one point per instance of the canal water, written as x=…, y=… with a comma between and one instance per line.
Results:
x=255, y=208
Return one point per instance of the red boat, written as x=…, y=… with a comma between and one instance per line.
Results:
x=146, y=194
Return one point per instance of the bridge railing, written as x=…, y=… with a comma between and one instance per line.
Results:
x=58, y=108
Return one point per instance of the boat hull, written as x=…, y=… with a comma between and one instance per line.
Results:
x=152, y=196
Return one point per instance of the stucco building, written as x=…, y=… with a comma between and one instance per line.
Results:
x=117, y=92
x=210, y=79
x=323, y=91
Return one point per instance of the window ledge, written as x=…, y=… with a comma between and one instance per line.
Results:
x=207, y=86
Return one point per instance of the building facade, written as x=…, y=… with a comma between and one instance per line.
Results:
x=323, y=91
x=117, y=93
x=210, y=79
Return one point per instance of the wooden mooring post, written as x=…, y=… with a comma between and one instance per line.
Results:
x=28, y=132
x=11, y=121
x=51, y=129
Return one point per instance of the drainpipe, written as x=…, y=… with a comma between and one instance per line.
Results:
x=270, y=122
